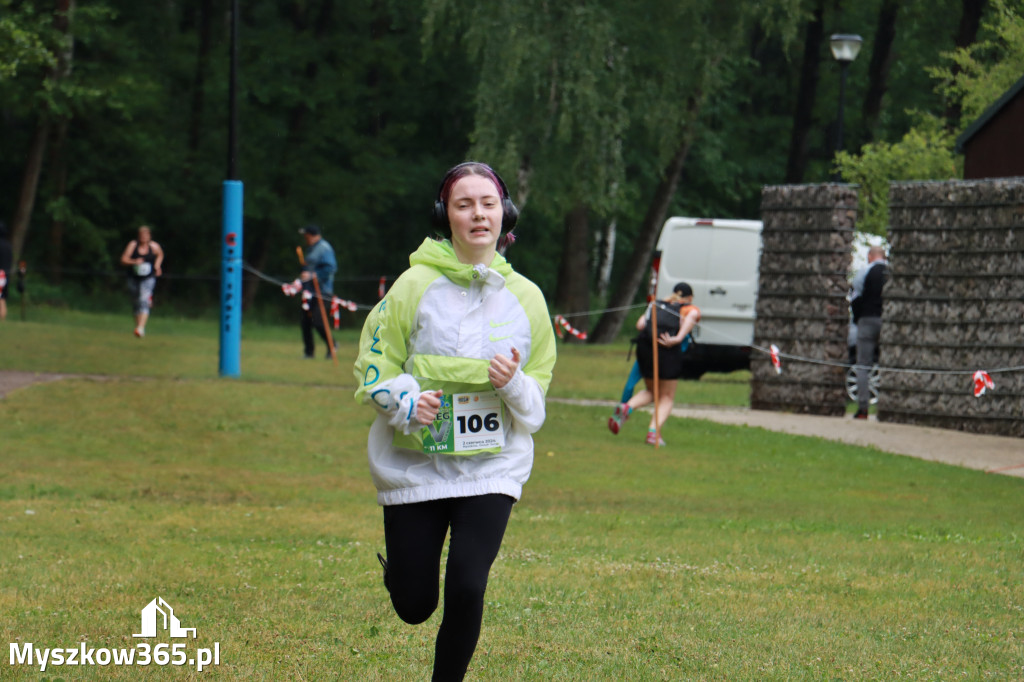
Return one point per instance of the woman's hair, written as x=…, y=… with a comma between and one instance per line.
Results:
x=510, y=214
x=469, y=168
x=679, y=292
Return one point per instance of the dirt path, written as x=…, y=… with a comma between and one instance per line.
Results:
x=995, y=454
x=11, y=380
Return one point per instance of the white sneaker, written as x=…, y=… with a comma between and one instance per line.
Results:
x=652, y=438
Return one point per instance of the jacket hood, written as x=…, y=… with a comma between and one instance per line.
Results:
x=440, y=255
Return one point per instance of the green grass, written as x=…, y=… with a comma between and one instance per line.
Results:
x=85, y=343
x=732, y=554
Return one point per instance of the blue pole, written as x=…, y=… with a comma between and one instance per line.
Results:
x=231, y=281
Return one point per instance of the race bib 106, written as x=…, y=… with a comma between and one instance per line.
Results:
x=466, y=421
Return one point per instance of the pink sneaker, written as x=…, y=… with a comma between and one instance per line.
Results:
x=619, y=417
x=652, y=438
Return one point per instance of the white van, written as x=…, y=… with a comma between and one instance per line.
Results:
x=720, y=260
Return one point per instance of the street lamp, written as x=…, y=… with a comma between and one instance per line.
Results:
x=845, y=48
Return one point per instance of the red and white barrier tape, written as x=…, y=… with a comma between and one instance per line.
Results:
x=561, y=323
x=293, y=288
x=982, y=380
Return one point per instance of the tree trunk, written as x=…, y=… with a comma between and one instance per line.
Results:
x=637, y=268
x=572, y=294
x=37, y=150
x=967, y=33
x=605, y=259
x=878, y=69
x=29, y=186
x=58, y=158
x=297, y=127
x=803, y=118
x=59, y=169
x=199, y=81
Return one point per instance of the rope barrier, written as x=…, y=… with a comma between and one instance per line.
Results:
x=561, y=323
x=295, y=287
x=982, y=379
x=88, y=272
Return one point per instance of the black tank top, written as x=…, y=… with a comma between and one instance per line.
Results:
x=146, y=268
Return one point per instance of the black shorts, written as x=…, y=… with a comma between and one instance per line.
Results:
x=670, y=360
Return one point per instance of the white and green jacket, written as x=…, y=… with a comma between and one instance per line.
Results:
x=438, y=328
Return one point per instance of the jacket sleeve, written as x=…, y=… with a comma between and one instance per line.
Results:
x=381, y=379
x=524, y=394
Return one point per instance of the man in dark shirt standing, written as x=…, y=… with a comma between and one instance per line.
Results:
x=867, y=315
x=319, y=261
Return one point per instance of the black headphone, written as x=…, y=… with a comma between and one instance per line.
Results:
x=510, y=214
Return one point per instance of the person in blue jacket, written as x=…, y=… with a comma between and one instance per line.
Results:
x=319, y=261
x=456, y=360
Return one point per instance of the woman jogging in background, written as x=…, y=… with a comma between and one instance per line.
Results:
x=456, y=359
x=145, y=258
x=677, y=317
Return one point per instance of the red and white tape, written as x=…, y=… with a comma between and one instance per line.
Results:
x=982, y=381
x=562, y=323
x=293, y=288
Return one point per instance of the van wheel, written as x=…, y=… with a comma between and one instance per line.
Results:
x=874, y=377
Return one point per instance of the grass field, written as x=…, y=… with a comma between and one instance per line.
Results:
x=732, y=554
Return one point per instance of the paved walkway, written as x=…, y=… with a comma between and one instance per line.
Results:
x=995, y=454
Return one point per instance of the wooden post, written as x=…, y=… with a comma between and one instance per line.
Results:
x=654, y=358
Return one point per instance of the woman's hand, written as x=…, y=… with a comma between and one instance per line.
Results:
x=665, y=339
x=427, y=407
x=503, y=369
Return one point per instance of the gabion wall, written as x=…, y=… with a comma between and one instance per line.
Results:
x=801, y=303
x=954, y=303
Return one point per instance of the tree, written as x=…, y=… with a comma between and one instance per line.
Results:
x=562, y=64
x=881, y=60
x=803, y=117
x=21, y=41
x=698, y=39
x=589, y=80
x=967, y=33
x=598, y=113
x=58, y=69
x=924, y=153
x=975, y=76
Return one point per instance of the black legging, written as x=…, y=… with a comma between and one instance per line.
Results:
x=414, y=535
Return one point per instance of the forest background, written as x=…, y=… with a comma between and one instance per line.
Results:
x=603, y=116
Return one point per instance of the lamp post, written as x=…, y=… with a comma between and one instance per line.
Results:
x=845, y=48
